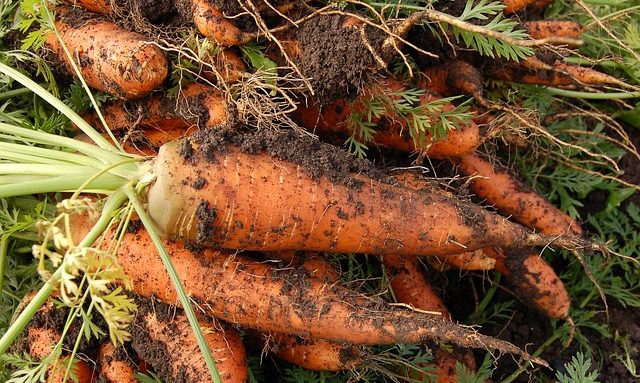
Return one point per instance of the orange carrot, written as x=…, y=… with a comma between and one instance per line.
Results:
x=515, y=199
x=253, y=294
x=470, y=260
x=411, y=287
x=536, y=282
x=512, y=6
x=111, y=59
x=211, y=22
x=334, y=118
x=114, y=368
x=541, y=29
x=165, y=340
x=196, y=106
x=452, y=78
x=296, y=209
x=99, y=6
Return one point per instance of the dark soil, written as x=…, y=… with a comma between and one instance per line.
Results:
x=335, y=57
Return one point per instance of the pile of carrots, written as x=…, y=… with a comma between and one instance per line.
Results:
x=221, y=189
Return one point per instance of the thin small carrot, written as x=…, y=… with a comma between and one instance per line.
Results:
x=536, y=282
x=515, y=199
x=113, y=368
x=470, y=260
x=111, y=59
x=165, y=340
x=255, y=295
x=410, y=286
x=540, y=29
x=389, y=132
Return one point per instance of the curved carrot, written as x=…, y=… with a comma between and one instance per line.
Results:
x=295, y=211
x=252, y=294
x=165, y=340
x=113, y=368
x=515, y=199
x=392, y=133
x=111, y=59
x=211, y=22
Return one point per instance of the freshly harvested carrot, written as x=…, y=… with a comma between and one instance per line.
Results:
x=536, y=281
x=196, y=106
x=334, y=118
x=512, y=6
x=515, y=199
x=410, y=286
x=165, y=341
x=252, y=294
x=541, y=29
x=299, y=207
x=211, y=22
x=534, y=71
x=111, y=59
x=229, y=65
x=113, y=368
x=453, y=77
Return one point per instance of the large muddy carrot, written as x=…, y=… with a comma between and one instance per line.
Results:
x=513, y=198
x=389, y=132
x=164, y=339
x=206, y=191
x=250, y=293
x=111, y=59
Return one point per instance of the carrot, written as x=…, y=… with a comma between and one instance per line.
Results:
x=196, y=106
x=410, y=286
x=512, y=6
x=229, y=66
x=99, y=6
x=470, y=260
x=111, y=59
x=211, y=22
x=334, y=118
x=453, y=77
x=536, y=282
x=534, y=71
x=42, y=337
x=515, y=199
x=351, y=213
x=541, y=29
x=254, y=295
x=165, y=340
x=114, y=368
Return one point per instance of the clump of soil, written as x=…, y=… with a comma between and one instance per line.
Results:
x=335, y=57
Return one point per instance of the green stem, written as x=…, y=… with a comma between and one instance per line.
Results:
x=4, y=246
x=58, y=105
x=538, y=351
x=583, y=61
x=62, y=183
x=593, y=96
x=175, y=279
x=44, y=169
x=14, y=93
x=113, y=202
x=43, y=155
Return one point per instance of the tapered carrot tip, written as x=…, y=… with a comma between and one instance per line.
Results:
x=111, y=59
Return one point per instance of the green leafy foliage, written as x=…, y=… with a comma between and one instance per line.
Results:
x=578, y=371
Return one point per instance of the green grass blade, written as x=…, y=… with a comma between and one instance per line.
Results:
x=182, y=294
